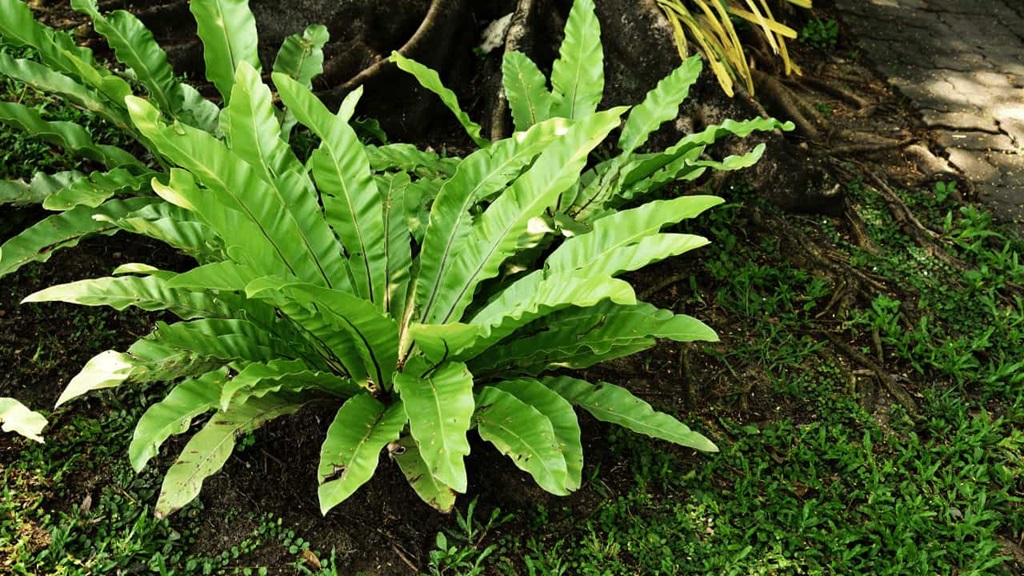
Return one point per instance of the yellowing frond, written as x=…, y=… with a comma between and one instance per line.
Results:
x=712, y=54
x=709, y=24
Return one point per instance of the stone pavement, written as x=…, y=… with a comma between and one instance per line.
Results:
x=961, y=64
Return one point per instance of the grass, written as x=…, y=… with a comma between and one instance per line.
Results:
x=841, y=495
x=113, y=529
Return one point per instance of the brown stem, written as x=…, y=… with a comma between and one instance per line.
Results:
x=428, y=27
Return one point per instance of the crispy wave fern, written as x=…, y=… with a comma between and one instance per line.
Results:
x=430, y=299
x=87, y=203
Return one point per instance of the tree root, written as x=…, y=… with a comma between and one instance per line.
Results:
x=404, y=558
x=431, y=25
x=831, y=262
x=929, y=163
x=888, y=381
x=788, y=104
x=859, y=228
x=686, y=375
x=924, y=237
x=160, y=12
x=664, y=283
x=837, y=304
x=515, y=37
x=830, y=358
x=935, y=167
x=901, y=211
x=911, y=226
x=879, y=145
x=1013, y=549
x=839, y=92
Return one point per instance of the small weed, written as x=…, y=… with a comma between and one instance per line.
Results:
x=820, y=34
x=465, y=554
x=943, y=190
x=824, y=108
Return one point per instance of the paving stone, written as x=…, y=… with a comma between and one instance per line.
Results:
x=1009, y=115
x=903, y=74
x=1004, y=203
x=1003, y=53
x=996, y=192
x=1012, y=109
x=985, y=89
x=1010, y=168
x=962, y=61
x=976, y=8
x=1014, y=74
x=933, y=96
x=981, y=31
x=979, y=141
x=914, y=4
x=961, y=64
x=1015, y=129
x=874, y=8
x=974, y=165
x=916, y=33
x=885, y=51
x=958, y=121
x=856, y=22
x=993, y=79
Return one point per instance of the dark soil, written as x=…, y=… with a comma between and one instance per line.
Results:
x=385, y=529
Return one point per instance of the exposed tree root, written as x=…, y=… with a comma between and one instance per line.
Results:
x=1013, y=549
x=665, y=283
x=404, y=557
x=935, y=167
x=788, y=105
x=810, y=81
x=900, y=210
x=929, y=163
x=803, y=250
x=876, y=341
x=830, y=358
x=515, y=37
x=859, y=229
x=841, y=293
x=432, y=26
x=879, y=145
x=686, y=375
x=911, y=226
x=168, y=11
x=888, y=381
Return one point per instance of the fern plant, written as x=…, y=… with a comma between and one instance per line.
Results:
x=17, y=418
x=60, y=69
x=87, y=204
x=427, y=297
x=575, y=92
